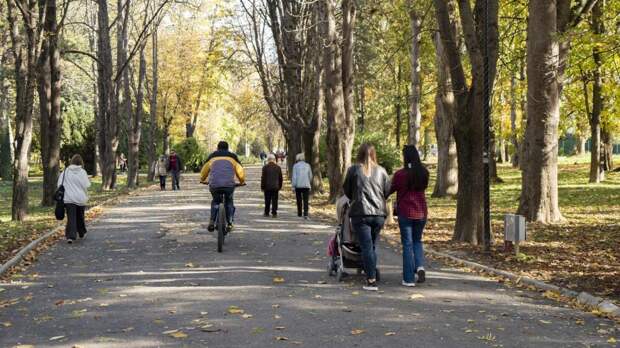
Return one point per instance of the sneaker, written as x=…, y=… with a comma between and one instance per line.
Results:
x=69, y=241
x=306, y=217
x=211, y=227
x=421, y=275
x=407, y=284
x=83, y=236
x=274, y=215
x=371, y=286
x=229, y=228
x=265, y=215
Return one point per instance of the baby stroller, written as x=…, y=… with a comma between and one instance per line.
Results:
x=343, y=247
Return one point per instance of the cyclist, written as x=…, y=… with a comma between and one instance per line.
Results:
x=219, y=172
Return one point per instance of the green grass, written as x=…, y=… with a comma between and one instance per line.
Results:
x=14, y=234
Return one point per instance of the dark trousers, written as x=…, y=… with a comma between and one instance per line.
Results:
x=302, y=195
x=75, y=221
x=175, y=179
x=225, y=193
x=367, y=229
x=162, y=182
x=271, y=200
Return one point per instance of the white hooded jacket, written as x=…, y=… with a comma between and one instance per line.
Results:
x=76, y=185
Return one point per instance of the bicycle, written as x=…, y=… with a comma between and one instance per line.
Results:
x=221, y=220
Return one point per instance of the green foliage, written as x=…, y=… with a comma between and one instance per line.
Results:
x=193, y=155
x=388, y=155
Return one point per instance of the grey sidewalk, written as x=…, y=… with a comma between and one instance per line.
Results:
x=148, y=267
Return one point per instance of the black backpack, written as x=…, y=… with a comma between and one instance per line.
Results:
x=59, y=197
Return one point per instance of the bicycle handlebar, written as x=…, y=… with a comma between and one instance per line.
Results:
x=236, y=184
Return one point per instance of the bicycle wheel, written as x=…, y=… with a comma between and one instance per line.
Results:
x=221, y=227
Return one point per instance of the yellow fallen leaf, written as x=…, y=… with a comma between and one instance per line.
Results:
x=178, y=334
x=7, y=324
x=56, y=338
x=612, y=340
x=357, y=331
x=391, y=333
x=281, y=338
x=247, y=316
x=278, y=280
x=469, y=331
x=235, y=310
x=280, y=328
x=24, y=346
x=545, y=321
x=189, y=265
x=355, y=293
x=416, y=296
x=471, y=321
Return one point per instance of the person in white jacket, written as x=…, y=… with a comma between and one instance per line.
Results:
x=301, y=182
x=76, y=183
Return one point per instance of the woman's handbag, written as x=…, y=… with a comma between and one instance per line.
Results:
x=59, y=197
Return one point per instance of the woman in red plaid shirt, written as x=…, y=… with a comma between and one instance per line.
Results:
x=409, y=184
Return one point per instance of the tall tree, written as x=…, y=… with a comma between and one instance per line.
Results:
x=469, y=103
x=415, y=115
x=50, y=76
x=446, y=183
x=547, y=51
x=26, y=50
x=152, y=130
x=6, y=133
x=597, y=173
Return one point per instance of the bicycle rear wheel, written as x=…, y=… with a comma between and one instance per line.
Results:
x=221, y=227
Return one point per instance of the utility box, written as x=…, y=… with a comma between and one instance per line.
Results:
x=514, y=229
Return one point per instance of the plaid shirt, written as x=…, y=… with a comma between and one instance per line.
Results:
x=410, y=204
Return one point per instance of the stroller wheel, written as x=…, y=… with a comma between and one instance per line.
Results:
x=339, y=274
x=330, y=268
x=378, y=275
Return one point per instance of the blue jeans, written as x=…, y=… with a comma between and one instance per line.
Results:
x=367, y=229
x=227, y=194
x=413, y=251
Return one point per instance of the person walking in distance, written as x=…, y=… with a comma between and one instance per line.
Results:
x=301, y=181
x=271, y=184
x=76, y=183
x=174, y=168
x=367, y=185
x=409, y=184
x=161, y=170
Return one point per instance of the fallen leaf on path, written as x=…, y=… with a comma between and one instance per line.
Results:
x=128, y=329
x=235, y=310
x=280, y=328
x=391, y=333
x=281, y=338
x=612, y=340
x=278, y=280
x=355, y=293
x=545, y=321
x=7, y=324
x=178, y=334
x=416, y=296
x=56, y=338
x=469, y=331
x=247, y=316
x=189, y=265
x=209, y=328
x=471, y=321
x=357, y=331
x=24, y=346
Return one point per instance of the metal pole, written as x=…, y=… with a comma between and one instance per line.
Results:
x=487, y=132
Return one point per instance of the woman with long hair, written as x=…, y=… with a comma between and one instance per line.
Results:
x=409, y=184
x=76, y=183
x=367, y=185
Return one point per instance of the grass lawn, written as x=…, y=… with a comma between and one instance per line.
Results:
x=14, y=235
x=582, y=253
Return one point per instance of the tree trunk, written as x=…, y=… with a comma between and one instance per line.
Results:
x=152, y=143
x=135, y=126
x=580, y=145
x=49, y=101
x=340, y=129
x=415, y=115
x=597, y=169
x=493, y=159
x=25, y=58
x=447, y=164
x=108, y=102
x=6, y=138
x=469, y=125
x=514, y=138
x=398, y=107
x=539, y=198
x=608, y=150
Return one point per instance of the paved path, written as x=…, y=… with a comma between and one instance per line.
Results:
x=148, y=268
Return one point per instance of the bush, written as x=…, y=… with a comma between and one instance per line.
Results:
x=388, y=155
x=193, y=155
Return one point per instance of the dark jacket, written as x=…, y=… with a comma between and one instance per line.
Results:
x=367, y=194
x=224, y=153
x=271, y=180
x=172, y=163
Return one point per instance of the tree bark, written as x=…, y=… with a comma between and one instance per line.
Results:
x=6, y=137
x=50, y=81
x=152, y=143
x=539, y=198
x=469, y=101
x=108, y=101
x=447, y=163
x=597, y=169
x=514, y=138
x=135, y=126
x=25, y=58
x=608, y=149
x=340, y=129
x=415, y=115
x=398, y=106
